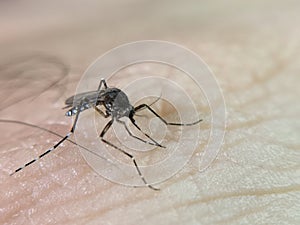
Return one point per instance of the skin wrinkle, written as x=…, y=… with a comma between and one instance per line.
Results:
x=245, y=193
x=205, y=193
x=279, y=65
x=55, y=186
x=243, y=214
x=43, y=195
x=109, y=208
x=258, y=120
x=254, y=101
x=247, y=123
x=259, y=166
x=103, y=210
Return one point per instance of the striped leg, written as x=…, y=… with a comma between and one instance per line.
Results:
x=53, y=147
x=106, y=128
x=140, y=139
x=145, y=106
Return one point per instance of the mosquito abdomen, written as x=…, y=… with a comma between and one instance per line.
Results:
x=73, y=111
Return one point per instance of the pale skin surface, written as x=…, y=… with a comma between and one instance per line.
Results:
x=253, y=50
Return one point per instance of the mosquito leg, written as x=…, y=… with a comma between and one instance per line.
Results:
x=105, y=129
x=102, y=82
x=132, y=135
x=51, y=132
x=152, y=103
x=101, y=112
x=148, y=136
x=145, y=106
x=53, y=147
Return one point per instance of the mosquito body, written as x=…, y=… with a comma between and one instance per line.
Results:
x=114, y=100
x=117, y=106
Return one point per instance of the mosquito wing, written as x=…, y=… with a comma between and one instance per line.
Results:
x=90, y=96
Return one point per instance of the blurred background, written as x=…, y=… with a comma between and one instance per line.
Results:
x=79, y=31
x=244, y=39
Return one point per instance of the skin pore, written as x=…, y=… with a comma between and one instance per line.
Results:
x=253, y=50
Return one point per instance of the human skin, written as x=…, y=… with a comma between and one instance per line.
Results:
x=253, y=50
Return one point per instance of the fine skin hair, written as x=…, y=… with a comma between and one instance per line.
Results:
x=251, y=48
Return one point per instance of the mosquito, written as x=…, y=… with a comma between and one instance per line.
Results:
x=117, y=106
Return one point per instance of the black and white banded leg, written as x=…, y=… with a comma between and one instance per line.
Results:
x=155, y=143
x=105, y=129
x=145, y=106
x=56, y=145
x=148, y=136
